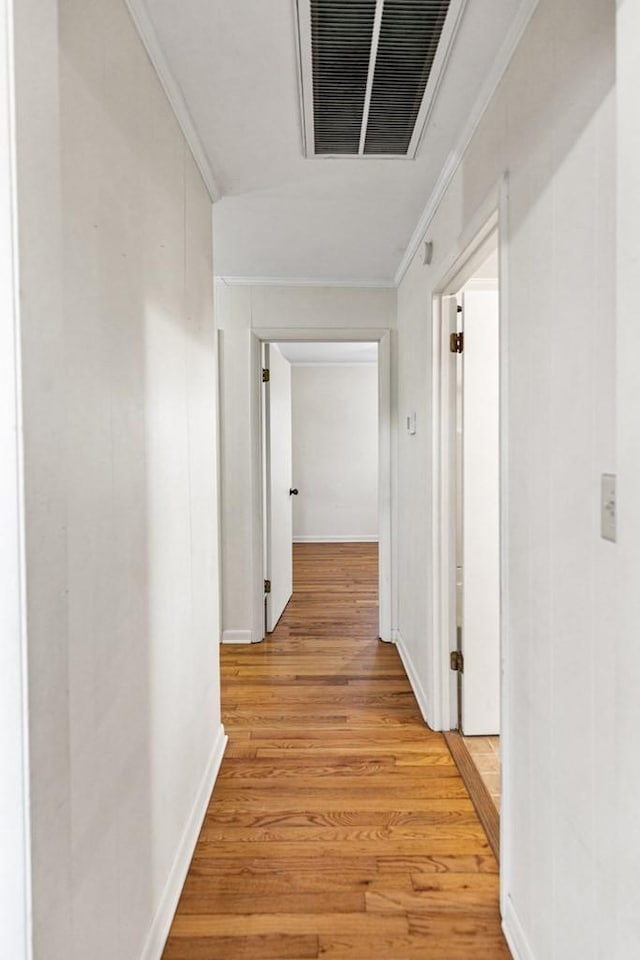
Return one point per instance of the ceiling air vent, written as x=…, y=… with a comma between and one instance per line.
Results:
x=369, y=72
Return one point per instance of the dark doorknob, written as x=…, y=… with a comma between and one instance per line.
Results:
x=293, y=492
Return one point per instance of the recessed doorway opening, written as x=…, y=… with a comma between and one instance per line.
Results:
x=467, y=311
x=325, y=465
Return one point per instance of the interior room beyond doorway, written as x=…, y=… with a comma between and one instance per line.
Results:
x=321, y=456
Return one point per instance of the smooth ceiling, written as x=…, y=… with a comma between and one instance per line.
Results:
x=306, y=352
x=282, y=215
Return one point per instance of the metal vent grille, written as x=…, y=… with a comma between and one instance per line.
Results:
x=369, y=72
x=341, y=49
x=409, y=38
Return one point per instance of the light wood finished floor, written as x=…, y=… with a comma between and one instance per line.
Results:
x=339, y=827
x=485, y=753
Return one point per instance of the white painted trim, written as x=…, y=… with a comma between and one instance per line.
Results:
x=487, y=91
x=333, y=363
x=237, y=636
x=441, y=518
x=257, y=431
x=481, y=283
x=157, y=936
x=356, y=538
x=473, y=246
x=149, y=37
x=303, y=282
x=514, y=933
x=468, y=252
x=15, y=826
x=493, y=212
x=506, y=747
x=413, y=676
x=322, y=334
x=385, y=418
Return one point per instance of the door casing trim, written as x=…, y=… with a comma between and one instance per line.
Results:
x=492, y=215
x=386, y=578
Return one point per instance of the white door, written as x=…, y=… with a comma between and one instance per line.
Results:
x=479, y=616
x=278, y=500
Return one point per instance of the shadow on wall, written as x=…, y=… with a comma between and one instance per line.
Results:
x=131, y=493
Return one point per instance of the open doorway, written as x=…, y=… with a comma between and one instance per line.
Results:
x=476, y=656
x=469, y=312
x=320, y=437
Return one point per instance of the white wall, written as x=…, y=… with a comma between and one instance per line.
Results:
x=312, y=308
x=551, y=125
x=619, y=649
x=120, y=482
x=335, y=451
x=244, y=313
x=15, y=894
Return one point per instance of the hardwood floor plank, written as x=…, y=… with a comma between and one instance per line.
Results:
x=446, y=945
x=334, y=848
x=254, y=924
x=326, y=804
x=290, y=902
x=339, y=826
x=432, y=812
x=235, y=793
x=405, y=754
x=273, y=947
x=333, y=867
x=418, y=865
x=448, y=829
x=461, y=900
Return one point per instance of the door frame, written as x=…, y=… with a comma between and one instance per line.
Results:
x=383, y=338
x=464, y=259
x=444, y=472
x=16, y=908
x=466, y=255
x=267, y=491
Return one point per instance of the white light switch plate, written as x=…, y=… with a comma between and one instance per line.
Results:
x=608, y=506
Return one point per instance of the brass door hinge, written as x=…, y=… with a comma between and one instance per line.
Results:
x=266, y=375
x=457, y=661
x=267, y=586
x=456, y=342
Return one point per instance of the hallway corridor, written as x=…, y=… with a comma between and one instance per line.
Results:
x=338, y=826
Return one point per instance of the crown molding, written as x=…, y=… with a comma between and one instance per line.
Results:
x=487, y=91
x=149, y=37
x=302, y=282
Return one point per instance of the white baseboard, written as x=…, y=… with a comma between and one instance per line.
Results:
x=515, y=935
x=412, y=674
x=156, y=939
x=236, y=636
x=355, y=538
